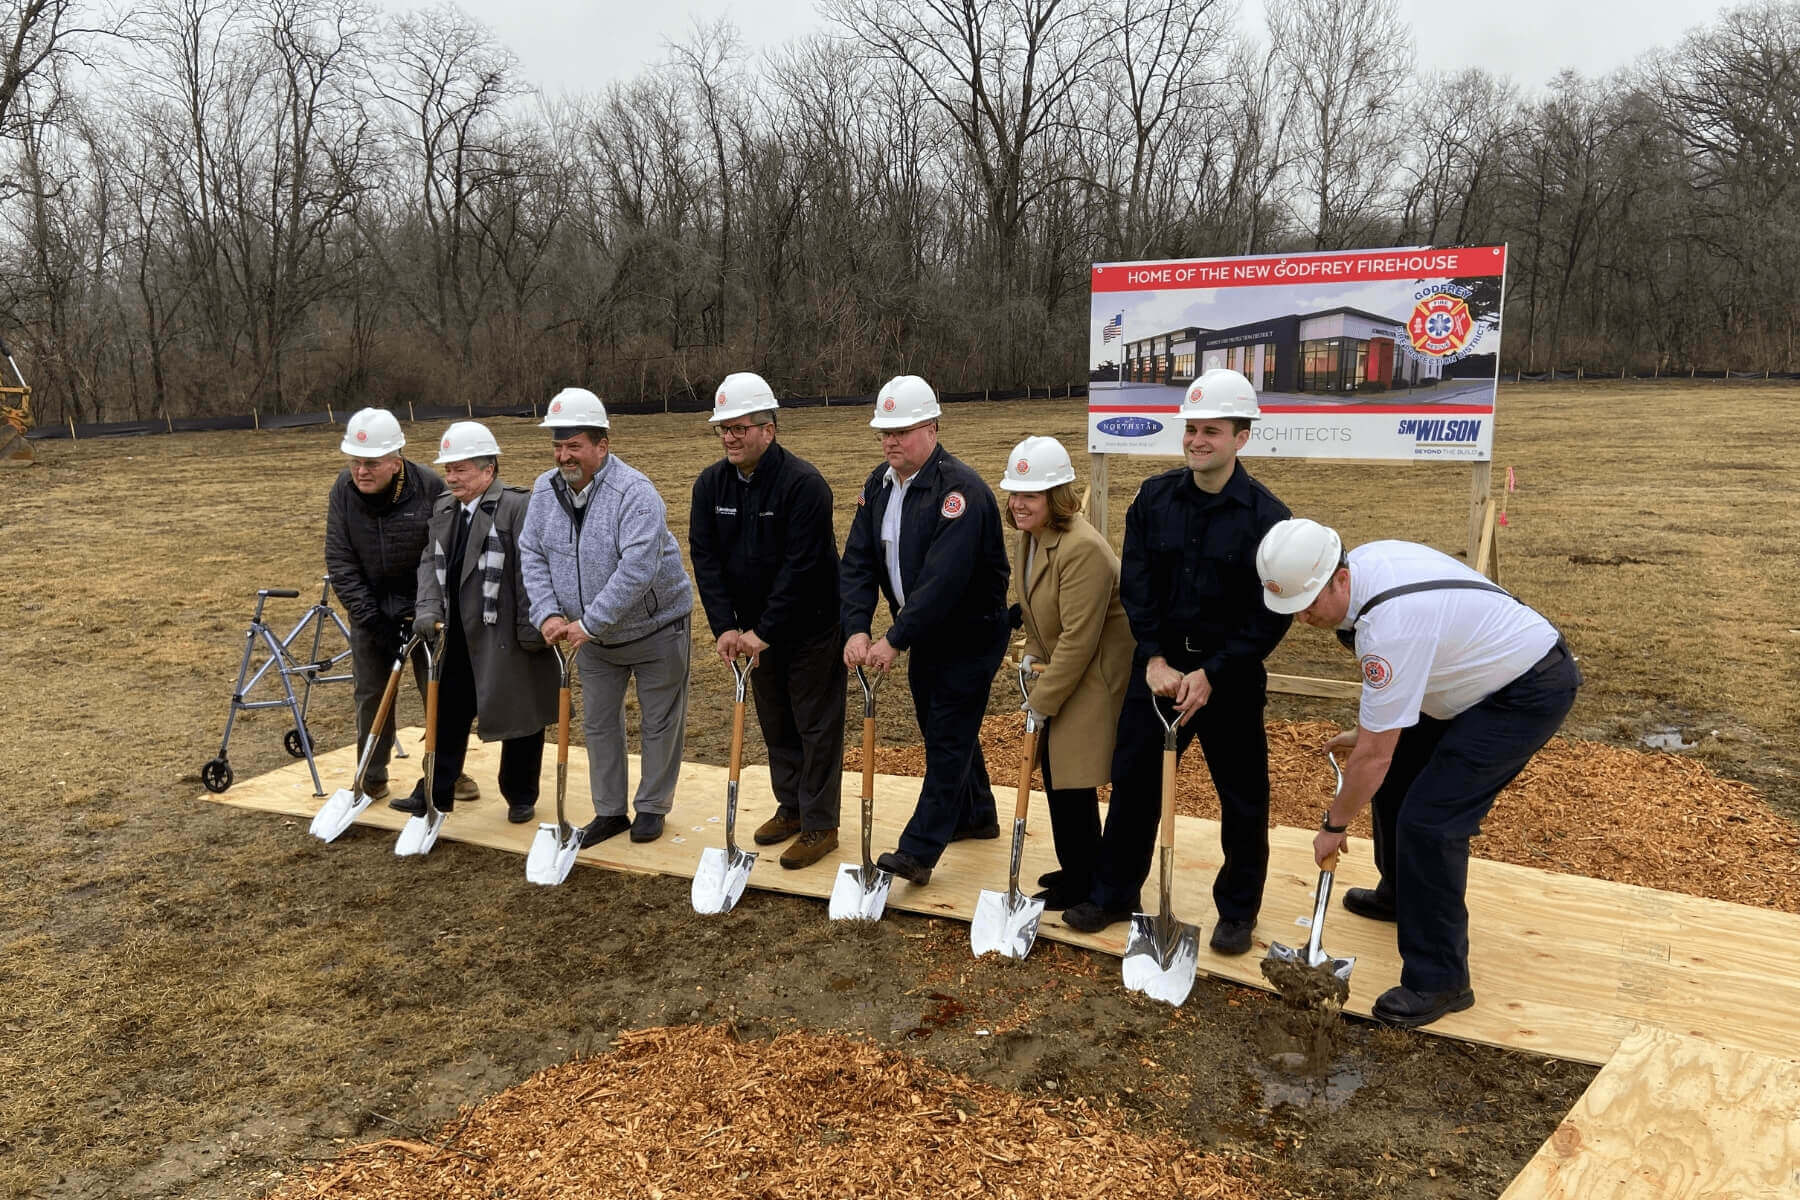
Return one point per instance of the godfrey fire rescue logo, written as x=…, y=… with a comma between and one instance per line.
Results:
x=1022, y=467
x=446, y=443
x=720, y=402
x=556, y=406
x=953, y=506
x=887, y=404
x=1376, y=671
x=1440, y=325
x=362, y=436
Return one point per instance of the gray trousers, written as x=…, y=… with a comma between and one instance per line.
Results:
x=371, y=661
x=660, y=663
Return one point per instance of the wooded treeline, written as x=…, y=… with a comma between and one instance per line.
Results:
x=211, y=206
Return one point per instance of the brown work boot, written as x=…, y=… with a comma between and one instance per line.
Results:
x=378, y=792
x=778, y=828
x=809, y=848
x=466, y=791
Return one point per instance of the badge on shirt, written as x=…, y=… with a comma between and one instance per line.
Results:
x=1376, y=671
x=953, y=506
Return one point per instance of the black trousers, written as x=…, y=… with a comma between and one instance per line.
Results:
x=1074, y=821
x=800, y=705
x=1439, y=786
x=950, y=696
x=1236, y=745
x=371, y=659
x=521, y=758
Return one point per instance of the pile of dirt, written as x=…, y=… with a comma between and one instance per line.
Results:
x=695, y=1112
x=1579, y=808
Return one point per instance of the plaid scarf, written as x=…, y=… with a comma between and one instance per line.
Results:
x=493, y=571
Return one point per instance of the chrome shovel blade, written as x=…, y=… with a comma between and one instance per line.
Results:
x=720, y=878
x=1161, y=962
x=855, y=897
x=338, y=814
x=419, y=834
x=1006, y=922
x=551, y=856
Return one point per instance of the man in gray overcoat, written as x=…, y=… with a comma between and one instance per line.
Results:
x=496, y=667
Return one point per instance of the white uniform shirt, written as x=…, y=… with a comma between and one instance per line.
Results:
x=1437, y=652
x=890, y=533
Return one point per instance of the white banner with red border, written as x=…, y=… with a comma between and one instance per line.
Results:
x=1357, y=354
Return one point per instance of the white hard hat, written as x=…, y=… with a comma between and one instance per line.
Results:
x=1295, y=560
x=742, y=393
x=574, y=408
x=466, y=440
x=1218, y=394
x=904, y=401
x=372, y=433
x=1037, y=464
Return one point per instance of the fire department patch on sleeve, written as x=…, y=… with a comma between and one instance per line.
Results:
x=953, y=506
x=1376, y=671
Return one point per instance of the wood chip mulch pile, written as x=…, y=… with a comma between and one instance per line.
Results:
x=1653, y=819
x=692, y=1112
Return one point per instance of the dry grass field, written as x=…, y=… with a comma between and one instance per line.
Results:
x=194, y=1000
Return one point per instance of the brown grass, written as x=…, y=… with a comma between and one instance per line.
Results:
x=173, y=973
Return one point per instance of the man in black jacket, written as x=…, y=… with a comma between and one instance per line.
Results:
x=765, y=561
x=926, y=534
x=1189, y=585
x=374, y=534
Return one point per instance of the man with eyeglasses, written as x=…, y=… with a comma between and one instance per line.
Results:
x=603, y=573
x=926, y=534
x=765, y=562
x=375, y=529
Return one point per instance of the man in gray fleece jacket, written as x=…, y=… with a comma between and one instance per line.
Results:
x=603, y=573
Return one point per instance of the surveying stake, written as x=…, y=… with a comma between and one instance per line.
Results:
x=15, y=416
x=216, y=774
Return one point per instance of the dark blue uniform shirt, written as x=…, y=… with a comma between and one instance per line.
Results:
x=1188, y=574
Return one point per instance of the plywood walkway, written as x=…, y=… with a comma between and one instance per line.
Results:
x=1675, y=1116
x=1563, y=966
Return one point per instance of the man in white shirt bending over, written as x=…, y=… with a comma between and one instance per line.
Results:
x=1462, y=684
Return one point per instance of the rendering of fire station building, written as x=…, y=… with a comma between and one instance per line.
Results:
x=1338, y=350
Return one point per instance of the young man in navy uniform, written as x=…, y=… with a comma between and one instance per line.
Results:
x=927, y=535
x=1462, y=684
x=1189, y=586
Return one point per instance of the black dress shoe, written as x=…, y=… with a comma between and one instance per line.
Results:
x=1232, y=937
x=1089, y=917
x=906, y=867
x=1370, y=903
x=601, y=828
x=518, y=814
x=1057, y=897
x=413, y=803
x=647, y=828
x=1050, y=879
x=1404, y=1008
x=983, y=833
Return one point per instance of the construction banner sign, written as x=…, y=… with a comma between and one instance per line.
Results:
x=1361, y=354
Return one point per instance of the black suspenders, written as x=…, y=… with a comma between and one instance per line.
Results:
x=1347, y=637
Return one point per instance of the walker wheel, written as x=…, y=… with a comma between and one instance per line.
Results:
x=291, y=739
x=216, y=775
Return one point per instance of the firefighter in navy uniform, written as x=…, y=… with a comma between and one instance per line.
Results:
x=765, y=564
x=1189, y=586
x=926, y=534
x=1462, y=684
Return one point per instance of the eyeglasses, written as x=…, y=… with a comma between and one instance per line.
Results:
x=735, y=431
x=358, y=463
x=882, y=435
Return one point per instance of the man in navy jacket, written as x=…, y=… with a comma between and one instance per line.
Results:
x=927, y=536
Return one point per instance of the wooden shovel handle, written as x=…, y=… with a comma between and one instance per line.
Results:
x=562, y=726
x=1026, y=763
x=1330, y=863
x=737, y=740
x=868, y=757
x=431, y=707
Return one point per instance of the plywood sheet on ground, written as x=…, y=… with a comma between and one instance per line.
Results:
x=1674, y=1116
x=1563, y=965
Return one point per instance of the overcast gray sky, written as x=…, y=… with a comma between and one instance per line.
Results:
x=571, y=45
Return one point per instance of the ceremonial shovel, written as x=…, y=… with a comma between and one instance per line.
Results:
x=1008, y=921
x=554, y=848
x=860, y=893
x=1313, y=957
x=420, y=833
x=720, y=878
x=1162, y=954
x=346, y=804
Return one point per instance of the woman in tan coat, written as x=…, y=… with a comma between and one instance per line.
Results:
x=1067, y=578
